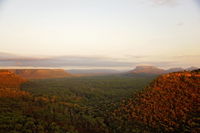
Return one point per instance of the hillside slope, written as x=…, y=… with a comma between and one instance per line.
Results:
x=10, y=80
x=10, y=85
x=169, y=104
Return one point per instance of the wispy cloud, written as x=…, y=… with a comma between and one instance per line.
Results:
x=137, y=56
x=166, y=2
x=62, y=61
x=197, y=1
x=180, y=24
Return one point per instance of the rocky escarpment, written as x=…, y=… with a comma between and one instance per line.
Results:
x=10, y=80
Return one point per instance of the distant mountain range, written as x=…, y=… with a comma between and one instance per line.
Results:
x=137, y=70
x=61, y=73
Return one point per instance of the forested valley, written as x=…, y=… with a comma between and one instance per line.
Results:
x=100, y=104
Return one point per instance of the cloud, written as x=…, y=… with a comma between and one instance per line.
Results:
x=72, y=61
x=166, y=2
x=180, y=24
x=198, y=2
x=185, y=56
x=2, y=3
x=10, y=60
x=137, y=56
x=62, y=61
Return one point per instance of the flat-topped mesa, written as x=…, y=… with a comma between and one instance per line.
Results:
x=40, y=73
x=147, y=70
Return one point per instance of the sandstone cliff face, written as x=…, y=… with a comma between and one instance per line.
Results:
x=10, y=80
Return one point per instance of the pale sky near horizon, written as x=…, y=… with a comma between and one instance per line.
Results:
x=144, y=31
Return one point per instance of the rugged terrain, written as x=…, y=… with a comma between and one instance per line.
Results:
x=101, y=104
x=169, y=104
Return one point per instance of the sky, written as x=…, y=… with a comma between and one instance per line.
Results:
x=118, y=34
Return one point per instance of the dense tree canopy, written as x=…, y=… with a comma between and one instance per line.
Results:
x=169, y=104
x=103, y=104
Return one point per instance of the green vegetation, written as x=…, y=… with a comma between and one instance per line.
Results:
x=102, y=104
x=73, y=105
x=88, y=90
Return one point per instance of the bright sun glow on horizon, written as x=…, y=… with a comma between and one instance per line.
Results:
x=154, y=32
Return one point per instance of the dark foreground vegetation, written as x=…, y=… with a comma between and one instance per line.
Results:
x=103, y=104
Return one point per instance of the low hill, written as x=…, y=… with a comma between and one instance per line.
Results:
x=169, y=104
x=40, y=73
x=176, y=69
x=191, y=68
x=196, y=71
